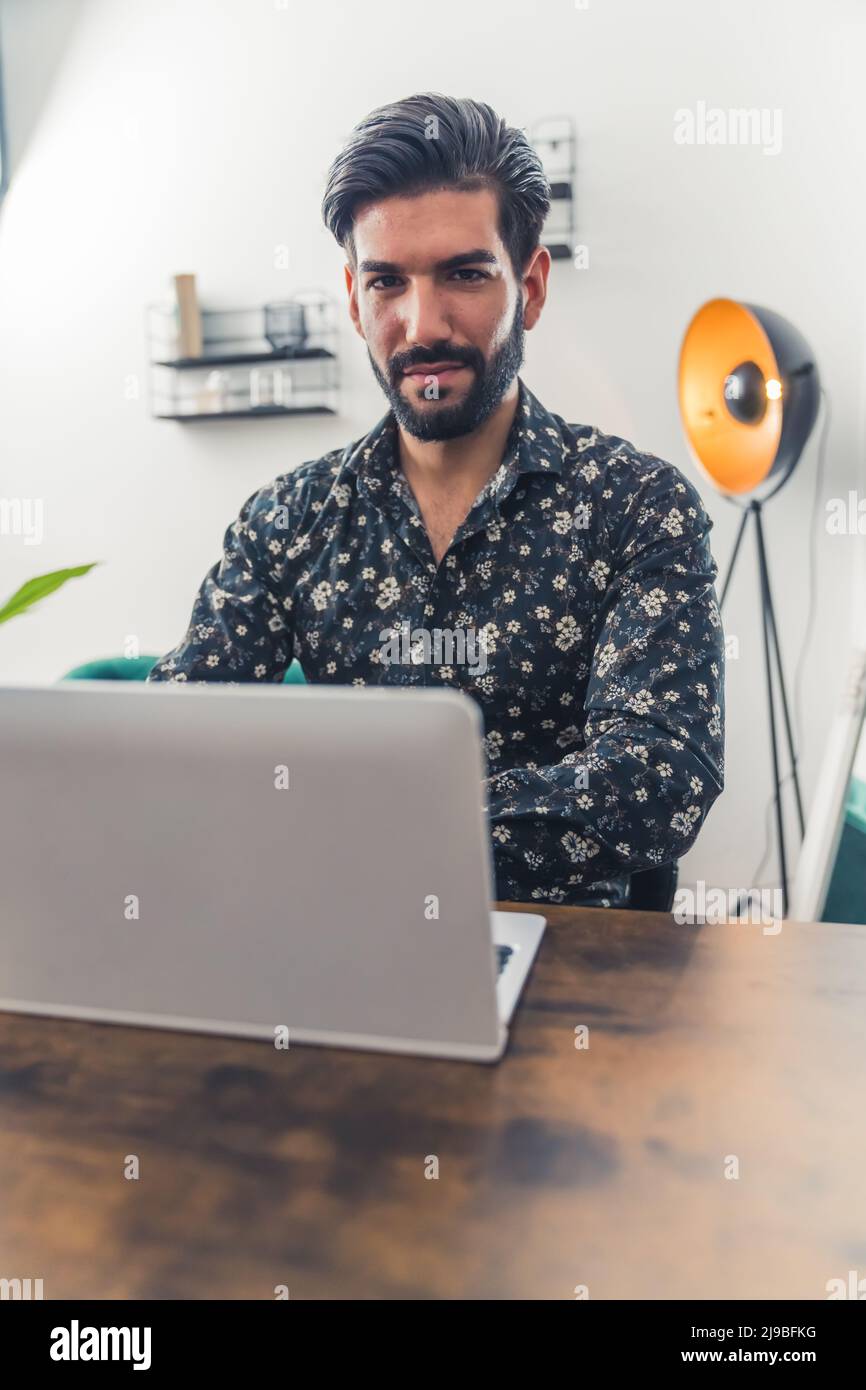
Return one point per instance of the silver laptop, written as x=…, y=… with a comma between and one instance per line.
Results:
x=307, y=864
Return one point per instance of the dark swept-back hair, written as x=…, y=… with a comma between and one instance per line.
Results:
x=432, y=141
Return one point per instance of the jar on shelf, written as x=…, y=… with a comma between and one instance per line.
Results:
x=285, y=325
x=270, y=387
x=214, y=396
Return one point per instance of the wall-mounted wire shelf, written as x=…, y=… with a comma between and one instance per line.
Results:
x=279, y=358
x=554, y=139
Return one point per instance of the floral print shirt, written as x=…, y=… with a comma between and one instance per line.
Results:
x=583, y=576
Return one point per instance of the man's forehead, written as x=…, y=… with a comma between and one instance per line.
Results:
x=429, y=227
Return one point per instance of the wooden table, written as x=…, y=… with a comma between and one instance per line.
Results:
x=558, y=1167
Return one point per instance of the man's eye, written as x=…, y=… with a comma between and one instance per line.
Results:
x=379, y=282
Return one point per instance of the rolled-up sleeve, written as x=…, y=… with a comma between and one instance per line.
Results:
x=652, y=758
x=241, y=625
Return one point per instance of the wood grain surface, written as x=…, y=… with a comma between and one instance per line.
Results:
x=605, y=1167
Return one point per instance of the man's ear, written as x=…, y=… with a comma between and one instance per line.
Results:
x=535, y=284
x=353, y=300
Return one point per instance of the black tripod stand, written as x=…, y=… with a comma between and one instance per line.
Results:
x=772, y=657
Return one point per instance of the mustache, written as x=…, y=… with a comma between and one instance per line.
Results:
x=421, y=357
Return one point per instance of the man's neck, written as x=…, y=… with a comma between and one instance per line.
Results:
x=463, y=464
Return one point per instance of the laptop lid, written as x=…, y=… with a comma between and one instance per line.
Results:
x=243, y=859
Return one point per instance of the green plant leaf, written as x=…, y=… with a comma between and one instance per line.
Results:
x=35, y=589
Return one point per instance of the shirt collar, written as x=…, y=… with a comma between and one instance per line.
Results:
x=535, y=444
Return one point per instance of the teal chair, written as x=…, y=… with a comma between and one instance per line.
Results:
x=137, y=668
x=846, y=895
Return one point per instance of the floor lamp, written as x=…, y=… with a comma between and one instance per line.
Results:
x=749, y=393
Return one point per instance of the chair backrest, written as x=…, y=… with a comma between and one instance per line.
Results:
x=117, y=668
x=652, y=890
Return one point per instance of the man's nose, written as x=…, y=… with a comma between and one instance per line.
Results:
x=424, y=318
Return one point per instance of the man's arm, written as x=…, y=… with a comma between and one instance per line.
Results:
x=653, y=761
x=240, y=629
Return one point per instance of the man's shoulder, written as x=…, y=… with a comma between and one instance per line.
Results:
x=626, y=479
x=313, y=475
x=591, y=453
x=627, y=491
x=308, y=482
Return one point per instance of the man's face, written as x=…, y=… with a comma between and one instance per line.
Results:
x=437, y=302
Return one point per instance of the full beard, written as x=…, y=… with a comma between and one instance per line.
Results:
x=491, y=380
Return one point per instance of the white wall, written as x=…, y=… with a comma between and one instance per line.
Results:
x=195, y=135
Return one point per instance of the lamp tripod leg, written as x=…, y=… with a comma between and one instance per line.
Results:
x=768, y=668
x=733, y=559
x=774, y=635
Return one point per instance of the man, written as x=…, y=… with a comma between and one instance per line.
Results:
x=570, y=574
